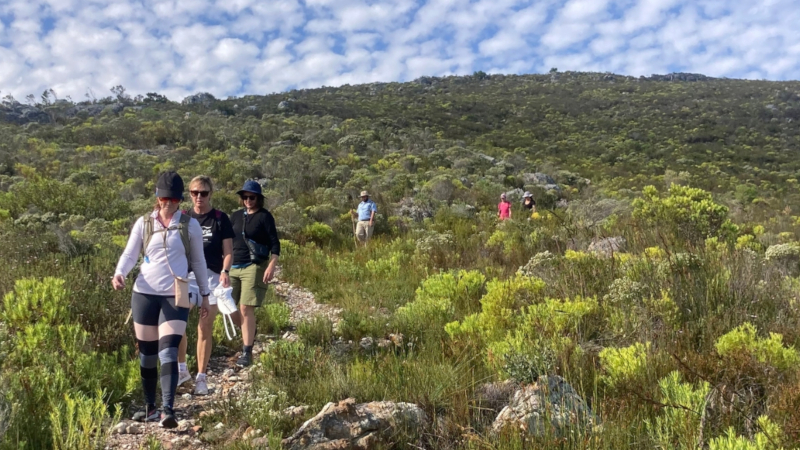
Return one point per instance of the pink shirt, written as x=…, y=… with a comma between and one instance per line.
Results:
x=505, y=210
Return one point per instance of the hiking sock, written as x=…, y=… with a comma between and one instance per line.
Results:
x=182, y=367
x=247, y=349
x=172, y=324
x=148, y=369
x=169, y=375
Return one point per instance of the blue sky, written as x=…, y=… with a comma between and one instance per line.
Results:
x=238, y=47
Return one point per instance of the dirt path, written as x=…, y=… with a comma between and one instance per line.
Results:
x=225, y=380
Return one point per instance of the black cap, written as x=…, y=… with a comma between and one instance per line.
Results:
x=169, y=184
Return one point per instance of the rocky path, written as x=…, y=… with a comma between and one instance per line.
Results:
x=225, y=380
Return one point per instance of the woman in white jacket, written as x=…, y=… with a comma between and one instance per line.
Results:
x=160, y=324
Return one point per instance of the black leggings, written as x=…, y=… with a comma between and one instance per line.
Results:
x=159, y=325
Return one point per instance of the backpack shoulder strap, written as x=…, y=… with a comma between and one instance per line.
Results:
x=183, y=229
x=147, y=233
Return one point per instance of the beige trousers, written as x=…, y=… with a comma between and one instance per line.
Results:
x=364, y=230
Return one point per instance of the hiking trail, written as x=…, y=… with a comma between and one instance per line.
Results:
x=225, y=381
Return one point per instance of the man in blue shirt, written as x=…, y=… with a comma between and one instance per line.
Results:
x=366, y=218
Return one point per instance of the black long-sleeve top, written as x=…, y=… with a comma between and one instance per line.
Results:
x=260, y=227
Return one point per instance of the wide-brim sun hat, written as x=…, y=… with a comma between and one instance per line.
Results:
x=527, y=195
x=169, y=185
x=364, y=194
x=251, y=186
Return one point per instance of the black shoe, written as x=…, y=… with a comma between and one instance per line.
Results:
x=245, y=360
x=148, y=414
x=168, y=419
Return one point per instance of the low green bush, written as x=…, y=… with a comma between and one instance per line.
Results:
x=678, y=425
x=770, y=437
x=273, y=317
x=317, y=331
x=624, y=366
x=440, y=299
x=771, y=351
x=59, y=385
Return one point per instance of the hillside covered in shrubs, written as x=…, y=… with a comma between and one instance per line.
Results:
x=660, y=276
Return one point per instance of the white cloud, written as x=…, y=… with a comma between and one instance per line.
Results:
x=234, y=47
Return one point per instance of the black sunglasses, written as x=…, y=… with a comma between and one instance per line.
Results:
x=248, y=197
x=199, y=193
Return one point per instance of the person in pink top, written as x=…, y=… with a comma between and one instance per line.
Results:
x=504, y=208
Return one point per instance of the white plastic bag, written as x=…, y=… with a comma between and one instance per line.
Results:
x=227, y=306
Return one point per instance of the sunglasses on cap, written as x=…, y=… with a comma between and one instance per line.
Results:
x=203, y=194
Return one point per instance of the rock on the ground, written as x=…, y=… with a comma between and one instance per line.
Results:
x=251, y=433
x=414, y=209
x=608, y=246
x=260, y=442
x=550, y=405
x=496, y=396
x=127, y=427
x=366, y=343
x=291, y=337
x=201, y=98
x=295, y=411
x=541, y=179
x=347, y=425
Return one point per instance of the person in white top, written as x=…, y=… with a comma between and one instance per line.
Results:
x=158, y=322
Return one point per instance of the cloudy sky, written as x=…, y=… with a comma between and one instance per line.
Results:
x=236, y=47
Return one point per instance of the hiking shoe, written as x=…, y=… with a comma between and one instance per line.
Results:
x=168, y=419
x=200, y=386
x=183, y=377
x=148, y=414
x=245, y=360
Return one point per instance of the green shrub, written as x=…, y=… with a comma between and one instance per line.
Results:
x=537, y=262
x=769, y=438
x=318, y=331
x=783, y=252
x=541, y=334
x=356, y=324
x=290, y=360
x=55, y=376
x=80, y=424
x=388, y=266
x=274, y=317
x=690, y=212
x=34, y=301
x=526, y=366
x=500, y=307
x=441, y=298
x=678, y=425
x=626, y=365
x=743, y=340
x=318, y=233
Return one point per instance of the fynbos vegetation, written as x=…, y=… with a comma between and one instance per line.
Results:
x=659, y=275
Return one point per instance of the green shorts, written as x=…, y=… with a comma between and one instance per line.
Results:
x=248, y=284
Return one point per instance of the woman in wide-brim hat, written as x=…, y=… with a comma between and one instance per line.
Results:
x=158, y=322
x=250, y=279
